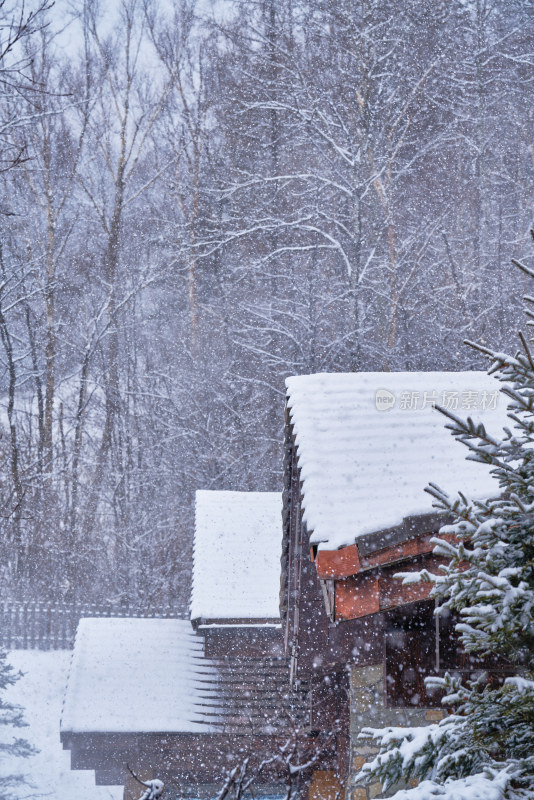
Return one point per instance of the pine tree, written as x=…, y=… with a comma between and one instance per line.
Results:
x=11, y=748
x=484, y=750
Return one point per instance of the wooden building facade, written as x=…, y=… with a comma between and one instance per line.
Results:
x=237, y=705
x=356, y=637
x=185, y=701
x=335, y=645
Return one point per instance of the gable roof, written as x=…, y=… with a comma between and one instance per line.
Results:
x=369, y=443
x=138, y=675
x=236, y=557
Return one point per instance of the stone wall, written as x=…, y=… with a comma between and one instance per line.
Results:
x=368, y=709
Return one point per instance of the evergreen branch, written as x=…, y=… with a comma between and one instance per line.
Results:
x=523, y=268
x=526, y=347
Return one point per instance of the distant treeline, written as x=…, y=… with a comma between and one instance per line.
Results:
x=196, y=203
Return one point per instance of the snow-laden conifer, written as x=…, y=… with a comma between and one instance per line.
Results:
x=484, y=749
x=11, y=747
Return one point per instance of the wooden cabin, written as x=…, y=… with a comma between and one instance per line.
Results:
x=236, y=574
x=360, y=449
x=187, y=700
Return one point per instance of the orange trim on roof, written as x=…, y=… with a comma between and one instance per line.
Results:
x=394, y=593
x=338, y=563
x=365, y=584
x=361, y=595
x=347, y=561
x=398, y=552
x=357, y=597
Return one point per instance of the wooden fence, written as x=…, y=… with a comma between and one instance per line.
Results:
x=52, y=626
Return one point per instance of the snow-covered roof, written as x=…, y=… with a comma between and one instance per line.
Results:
x=369, y=443
x=236, y=559
x=137, y=675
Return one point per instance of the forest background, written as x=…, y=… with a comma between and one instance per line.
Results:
x=199, y=200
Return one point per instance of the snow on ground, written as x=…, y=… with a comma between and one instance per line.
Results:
x=40, y=691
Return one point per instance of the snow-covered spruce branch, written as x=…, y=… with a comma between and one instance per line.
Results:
x=485, y=749
x=153, y=788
